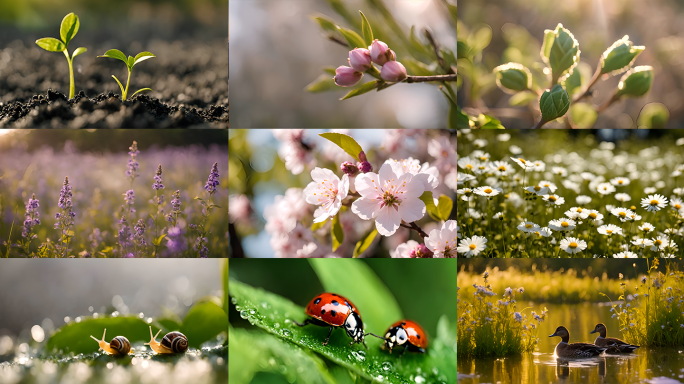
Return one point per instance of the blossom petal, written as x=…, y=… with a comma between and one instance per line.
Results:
x=321, y=174
x=412, y=210
x=365, y=208
x=367, y=184
x=387, y=221
x=343, y=187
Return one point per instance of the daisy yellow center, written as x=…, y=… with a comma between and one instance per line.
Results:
x=622, y=214
x=483, y=158
x=469, y=166
x=655, y=202
x=678, y=206
x=592, y=215
x=579, y=210
x=481, y=167
x=502, y=168
x=546, y=185
x=488, y=190
x=472, y=246
x=572, y=245
x=537, y=188
x=552, y=198
x=565, y=224
x=632, y=208
x=522, y=160
x=620, y=181
x=658, y=242
x=528, y=225
x=609, y=231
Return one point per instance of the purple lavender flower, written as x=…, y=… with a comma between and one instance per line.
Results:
x=65, y=218
x=95, y=238
x=133, y=166
x=31, y=217
x=175, y=211
x=174, y=240
x=129, y=198
x=158, y=179
x=65, y=195
x=139, y=234
x=124, y=233
x=213, y=180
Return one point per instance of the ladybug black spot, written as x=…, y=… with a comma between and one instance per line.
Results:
x=403, y=323
x=334, y=302
x=318, y=300
x=333, y=313
x=322, y=311
x=418, y=336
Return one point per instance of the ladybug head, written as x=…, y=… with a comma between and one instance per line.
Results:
x=394, y=337
x=354, y=327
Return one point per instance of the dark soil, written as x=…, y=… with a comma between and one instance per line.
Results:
x=189, y=78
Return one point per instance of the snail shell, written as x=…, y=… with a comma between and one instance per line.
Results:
x=176, y=342
x=121, y=345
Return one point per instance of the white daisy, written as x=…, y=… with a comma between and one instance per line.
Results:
x=577, y=213
x=605, y=188
x=620, y=181
x=480, y=155
x=610, y=229
x=562, y=224
x=662, y=243
x=573, y=245
x=553, y=200
x=539, y=191
x=594, y=215
x=514, y=149
x=467, y=163
x=543, y=232
x=539, y=166
x=587, y=176
x=654, y=202
x=463, y=178
x=524, y=164
x=487, y=191
x=501, y=168
x=560, y=171
x=583, y=199
x=472, y=246
x=676, y=203
x=642, y=243
x=625, y=255
x=528, y=226
x=551, y=186
x=623, y=197
x=498, y=216
x=623, y=214
x=646, y=227
x=650, y=190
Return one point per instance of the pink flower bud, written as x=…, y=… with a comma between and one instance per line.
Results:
x=349, y=169
x=360, y=59
x=362, y=156
x=365, y=167
x=380, y=53
x=347, y=76
x=393, y=71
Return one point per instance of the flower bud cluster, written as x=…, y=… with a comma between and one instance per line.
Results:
x=361, y=61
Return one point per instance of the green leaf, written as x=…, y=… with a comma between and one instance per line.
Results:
x=122, y=92
x=573, y=83
x=365, y=88
x=620, y=56
x=337, y=233
x=274, y=314
x=69, y=27
x=168, y=324
x=204, y=322
x=75, y=337
x=513, y=77
x=317, y=226
x=583, y=115
x=326, y=24
x=363, y=244
x=444, y=207
x=150, y=89
x=523, y=98
x=653, y=115
x=78, y=51
x=426, y=197
x=115, y=54
x=353, y=38
x=462, y=50
x=225, y=285
x=51, y=44
x=487, y=122
x=158, y=240
x=367, y=30
x=636, y=82
x=324, y=83
x=329, y=70
x=554, y=103
x=253, y=352
x=130, y=62
x=420, y=47
x=560, y=52
x=346, y=142
x=363, y=287
x=462, y=120
x=142, y=56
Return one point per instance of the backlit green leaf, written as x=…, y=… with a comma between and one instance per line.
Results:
x=337, y=233
x=353, y=38
x=620, y=56
x=554, y=103
x=204, y=322
x=366, y=29
x=142, y=56
x=363, y=244
x=653, y=115
x=115, y=54
x=346, y=142
x=78, y=51
x=324, y=83
x=444, y=207
x=427, y=198
x=583, y=115
x=69, y=27
x=326, y=24
x=513, y=77
x=560, y=52
x=75, y=337
x=365, y=88
x=150, y=89
x=636, y=82
x=51, y=44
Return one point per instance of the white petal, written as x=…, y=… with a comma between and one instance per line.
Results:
x=387, y=221
x=343, y=187
x=320, y=174
x=367, y=184
x=412, y=210
x=365, y=208
x=386, y=174
x=320, y=215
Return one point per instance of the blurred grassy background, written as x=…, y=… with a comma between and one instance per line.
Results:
x=517, y=28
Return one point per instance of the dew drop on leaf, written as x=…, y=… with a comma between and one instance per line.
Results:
x=359, y=355
x=386, y=366
x=252, y=312
x=244, y=314
x=286, y=332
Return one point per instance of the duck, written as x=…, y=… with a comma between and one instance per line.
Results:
x=576, y=350
x=613, y=344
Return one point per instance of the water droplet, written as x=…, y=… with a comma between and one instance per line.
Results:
x=286, y=332
x=419, y=379
x=237, y=307
x=380, y=378
x=277, y=325
x=386, y=366
x=265, y=305
x=359, y=355
x=244, y=314
x=252, y=312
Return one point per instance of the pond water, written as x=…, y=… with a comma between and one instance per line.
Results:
x=646, y=365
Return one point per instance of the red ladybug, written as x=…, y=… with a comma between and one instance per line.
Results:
x=407, y=333
x=333, y=310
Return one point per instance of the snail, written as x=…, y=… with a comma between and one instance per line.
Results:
x=118, y=346
x=173, y=342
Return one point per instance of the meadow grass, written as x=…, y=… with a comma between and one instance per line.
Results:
x=653, y=314
x=488, y=326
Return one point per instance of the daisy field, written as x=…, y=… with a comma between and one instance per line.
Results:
x=589, y=194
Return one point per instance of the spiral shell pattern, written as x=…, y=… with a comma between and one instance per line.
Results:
x=176, y=342
x=121, y=345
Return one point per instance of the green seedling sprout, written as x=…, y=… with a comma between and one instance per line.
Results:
x=130, y=63
x=67, y=31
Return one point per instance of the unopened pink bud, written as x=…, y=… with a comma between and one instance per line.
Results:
x=393, y=71
x=365, y=167
x=347, y=76
x=349, y=168
x=380, y=52
x=360, y=59
x=362, y=156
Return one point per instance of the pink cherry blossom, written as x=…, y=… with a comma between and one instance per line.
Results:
x=328, y=191
x=445, y=153
x=360, y=59
x=425, y=173
x=294, y=153
x=239, y=209
x=347, y=76
x=443, y=241
x=393, y=71
x=389, y=199
x=282, y=216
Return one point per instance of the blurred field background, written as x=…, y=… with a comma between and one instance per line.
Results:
x=278, y=50
x=516, y=28
x=33, y=161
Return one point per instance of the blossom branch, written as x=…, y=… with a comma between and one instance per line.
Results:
x=416, y=228
x=424, y=79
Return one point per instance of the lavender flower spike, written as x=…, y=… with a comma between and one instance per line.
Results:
x=213, y=180
x=139, y=234
x=31, y=217
x=133, y=166
x=158, y=179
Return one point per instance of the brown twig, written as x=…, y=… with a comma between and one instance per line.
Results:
x=539, y=124
x=587, y=91
x=423, y=79
x=607, y=104
x=435, y=47
x=415, y=227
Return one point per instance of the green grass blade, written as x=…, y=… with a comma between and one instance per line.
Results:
x=140, y=90
x=121, y=86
